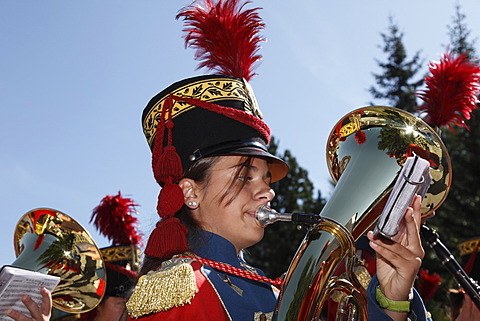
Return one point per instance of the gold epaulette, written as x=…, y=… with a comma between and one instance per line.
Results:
x=171, y=286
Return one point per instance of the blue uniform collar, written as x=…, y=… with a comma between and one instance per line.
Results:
x=256, y=298
x=216, y=248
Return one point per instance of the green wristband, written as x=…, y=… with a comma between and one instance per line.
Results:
x=386, y=303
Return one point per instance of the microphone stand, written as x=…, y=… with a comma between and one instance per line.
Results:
x=470, y=286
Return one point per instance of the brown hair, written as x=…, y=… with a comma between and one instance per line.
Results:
x=200, y=173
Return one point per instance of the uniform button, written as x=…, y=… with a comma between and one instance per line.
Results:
x=263, y=317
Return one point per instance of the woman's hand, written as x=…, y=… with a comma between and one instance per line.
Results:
x=39, y=313
x=398, y=262
x=469, y=311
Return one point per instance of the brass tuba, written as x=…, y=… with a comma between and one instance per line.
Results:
x=365, y=152
x=51, y=242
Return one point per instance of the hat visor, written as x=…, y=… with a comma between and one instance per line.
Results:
x=278, y=168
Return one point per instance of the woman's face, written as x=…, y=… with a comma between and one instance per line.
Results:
x=233, y=216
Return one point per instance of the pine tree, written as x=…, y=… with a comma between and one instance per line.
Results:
x=458, y=217
x=459, y=213
x=396, y=83
x=459, y=34
x=460, y=210
x=294, y=193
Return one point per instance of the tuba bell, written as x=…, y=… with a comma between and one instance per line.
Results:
x=51, y=242
x=365, y=152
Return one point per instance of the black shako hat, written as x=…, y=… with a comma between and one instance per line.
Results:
x=122, y=265
x=228, y=122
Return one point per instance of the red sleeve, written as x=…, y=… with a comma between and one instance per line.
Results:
x=206, y=304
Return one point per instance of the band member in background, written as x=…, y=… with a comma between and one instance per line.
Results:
x=209, y=155
x=114, y=218
x=462, y=306
x=464, y=309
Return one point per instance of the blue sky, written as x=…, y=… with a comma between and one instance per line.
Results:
x=75, y=77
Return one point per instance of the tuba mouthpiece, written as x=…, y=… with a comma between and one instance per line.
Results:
x=266, y=215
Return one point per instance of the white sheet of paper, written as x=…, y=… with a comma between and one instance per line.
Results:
x=15, y=282
x=414, y=178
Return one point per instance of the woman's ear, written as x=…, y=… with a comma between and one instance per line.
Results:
x=190, y=194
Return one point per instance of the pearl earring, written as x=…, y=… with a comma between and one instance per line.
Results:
x=192, y=204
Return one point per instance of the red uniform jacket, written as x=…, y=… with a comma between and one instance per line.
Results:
x=205, y=305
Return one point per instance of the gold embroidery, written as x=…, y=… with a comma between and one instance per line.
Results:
x=117, y=253
x=469, y=246
x=162, y=290
x=210, y=90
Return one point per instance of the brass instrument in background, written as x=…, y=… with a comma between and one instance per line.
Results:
x=365, y=152
x=51, y=242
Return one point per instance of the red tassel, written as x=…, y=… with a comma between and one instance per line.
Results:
x=169, y=236
x=166, y=162
x=170, y=200
x=167, y=239
x=168, y=165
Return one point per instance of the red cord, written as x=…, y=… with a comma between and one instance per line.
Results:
x=236, y=271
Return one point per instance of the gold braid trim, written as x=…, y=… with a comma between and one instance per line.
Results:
x=469, y=246
x=211, y=90
x=162, y=290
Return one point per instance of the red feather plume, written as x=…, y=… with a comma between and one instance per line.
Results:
x=224, y=35
x=113, y=218
x=428, y=284
x=452, y=90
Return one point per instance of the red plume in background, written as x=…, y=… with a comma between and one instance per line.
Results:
x=113, y=218
x=428, y=284
x=452, y=90
x=226, y=38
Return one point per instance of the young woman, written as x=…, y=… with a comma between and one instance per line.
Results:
x=209, y=155
x=221, y=195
